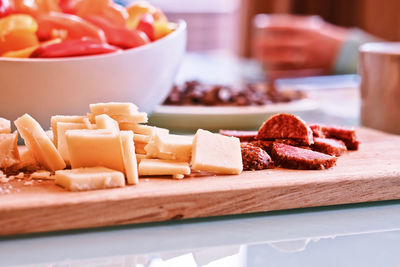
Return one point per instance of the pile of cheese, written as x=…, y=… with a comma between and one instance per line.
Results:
x=110, y=146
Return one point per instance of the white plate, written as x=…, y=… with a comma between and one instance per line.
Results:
x=191, y=118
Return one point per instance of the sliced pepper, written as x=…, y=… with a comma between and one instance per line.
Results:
x=27, y=52
x=67, y=26
x=5, y=9
x=113, y=12
x=138, y=9
x=46, y=6
x=146, y=25
x=17, y=32
x=119, y=36
x=73, y=48
x=162, y=28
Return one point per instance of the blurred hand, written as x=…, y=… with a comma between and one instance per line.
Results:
x=289, y=45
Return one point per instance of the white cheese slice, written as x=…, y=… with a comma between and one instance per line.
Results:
x=141, y=138
x=64, y=118
x=139, y=157
x=92, y=148
x=216, y=153
x=152, y=150
x=142, y=129
x=140, y=117
x=5, y=126
x=113, y=108
x=89, y=178
x=105, y=122
x=179, y=145
x=62, y=128
x=130, y=163
x=162, y=167
x=39, y=143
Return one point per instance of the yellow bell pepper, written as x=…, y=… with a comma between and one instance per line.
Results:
x=17, y=32
x=162, y=28
x=138, y=9
x=26, y=53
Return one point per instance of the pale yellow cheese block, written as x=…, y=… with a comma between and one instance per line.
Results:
x=142, y=129
x=179, y=145
x=5, y=126
x=162, y=167
x=9, y=154
x=64, y=118
x=113, y=108
x=51, y=136
x=130, y=163
x=92, y=148
x=39, y=143
x=139, y=157
x=141, y=138
x=106, y=122
x=216, y=153
x=45, y=175
x=89, y=178
x=152, y=150
x=140, y=117
x=62, y=128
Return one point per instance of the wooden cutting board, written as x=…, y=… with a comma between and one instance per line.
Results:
x=370, y=174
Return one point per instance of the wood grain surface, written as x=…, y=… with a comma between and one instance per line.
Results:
x=370, y=174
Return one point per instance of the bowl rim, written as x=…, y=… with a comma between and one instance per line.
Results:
x=178, y=31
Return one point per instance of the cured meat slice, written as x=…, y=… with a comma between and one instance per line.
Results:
x=317, y=130
x=244, y=136
x=299, y=158
x=263, y=144
x=329, y=146
x=347, y=135
x=254, y=158
x=267, y=144
x=285, y=126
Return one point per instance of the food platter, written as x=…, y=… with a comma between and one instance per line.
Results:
x=190, y=118
x=370, y=174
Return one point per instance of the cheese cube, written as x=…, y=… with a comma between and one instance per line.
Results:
x=140, y=117
x=105, y=122
x=179, y=145
x=130, y=163
x=39, y=143
x=9, y=154
x=140, y=138
x=64, y=118
x=142, y=129
x=162, y=167
x=152, y=150
x=216, y=153
x=139, y=157
x=62, y=128
x=92, y=148
x=113, y=108
x=45, y=175
x=5, y=126
x=89, y=178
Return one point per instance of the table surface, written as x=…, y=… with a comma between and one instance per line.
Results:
x=348, y=235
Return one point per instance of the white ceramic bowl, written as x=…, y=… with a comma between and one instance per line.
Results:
x=66, y=86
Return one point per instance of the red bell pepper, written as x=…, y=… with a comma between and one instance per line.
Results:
x=113, y=12
x=66, y=26
x=73, y=48
x=119, y=36
x=5, y=9
x=146, y=25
